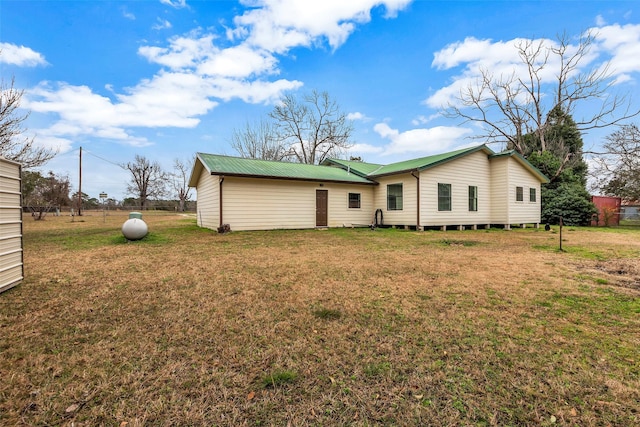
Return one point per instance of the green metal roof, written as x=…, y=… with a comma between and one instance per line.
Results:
x=358, y=167
x=372, y=170
x=236, y=166
x=347, y=171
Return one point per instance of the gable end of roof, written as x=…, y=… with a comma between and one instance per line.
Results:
x=196, y=171
x=524, y=162
x=425, y=163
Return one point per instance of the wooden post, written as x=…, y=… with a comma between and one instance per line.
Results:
x=80, y=186
x=561, y=234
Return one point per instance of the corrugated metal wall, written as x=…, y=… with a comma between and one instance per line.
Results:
x=608, y=210
x=11, y=265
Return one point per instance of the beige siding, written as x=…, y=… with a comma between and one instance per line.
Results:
x=9, y=199
x=471, y=170
x=264, y=204
x=507, y=174
x=339, y=212
x=10, y=229
x=408, y=214
x=524, y=212
x=500, y=190
x=11, y=264
x=268, y=204
x=208, y=197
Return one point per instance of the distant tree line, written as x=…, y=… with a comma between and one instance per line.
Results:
x=46, y=193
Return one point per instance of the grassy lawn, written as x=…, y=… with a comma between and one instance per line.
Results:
x=333, y=327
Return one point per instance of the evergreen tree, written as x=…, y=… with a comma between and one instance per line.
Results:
x=561, y=161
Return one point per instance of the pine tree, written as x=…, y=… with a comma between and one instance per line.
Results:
x=560, y=159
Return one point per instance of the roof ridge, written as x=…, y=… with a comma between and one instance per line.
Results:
x=218, y=164
x=424, y=162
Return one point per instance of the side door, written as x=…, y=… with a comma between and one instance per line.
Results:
x=322, y=202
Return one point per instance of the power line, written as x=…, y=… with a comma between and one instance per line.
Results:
x=103, y=159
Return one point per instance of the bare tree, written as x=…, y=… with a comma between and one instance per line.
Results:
x=617, y=171
x=511, y=108
x=44, y=193
x=180, y=181
x=259, y=141
x=312, y=128
x=13, y=144
x=148, y=180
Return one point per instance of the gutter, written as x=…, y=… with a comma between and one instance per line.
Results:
x=418, y=197
x=220, y=193
x=306, y=179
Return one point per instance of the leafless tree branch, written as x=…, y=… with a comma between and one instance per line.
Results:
x=13, y=144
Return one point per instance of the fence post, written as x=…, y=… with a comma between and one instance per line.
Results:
x=561, y=234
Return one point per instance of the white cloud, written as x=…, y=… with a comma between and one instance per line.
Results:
x=501, y=59
x=357, y=116
x=200, y=55
x=162, y=24
x=600, y=21
x=474, y=56
x=618, y=44
x=44, y=139
x=279, y=25
x=422, y=141
x=20, y=55
x=183, y=52
x=239, y=61
x=622, y=42
x=127, y=14
x=197, y=71
x=169, y=99
x=254, y=92
x=178, y=4
x=423, y=120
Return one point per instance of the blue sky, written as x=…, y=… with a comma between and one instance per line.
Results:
x=167, y=78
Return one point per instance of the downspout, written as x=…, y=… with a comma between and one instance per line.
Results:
x=220, y=193
x=417, y=177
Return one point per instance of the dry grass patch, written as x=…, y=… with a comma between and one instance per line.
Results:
x=340, y=327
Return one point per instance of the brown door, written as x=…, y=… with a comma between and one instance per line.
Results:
x=321, y=208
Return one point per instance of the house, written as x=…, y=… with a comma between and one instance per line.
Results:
x=471, y=187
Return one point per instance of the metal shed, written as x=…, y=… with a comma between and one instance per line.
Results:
x=11, y=260
x=608, y=211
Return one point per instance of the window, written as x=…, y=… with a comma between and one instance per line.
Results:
x=519, y=194
x=532, y=195
x=394, y=197
x=473, y=198
x=354, y=200
x=444, y=197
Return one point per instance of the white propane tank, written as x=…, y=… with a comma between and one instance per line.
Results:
x=134, y=229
